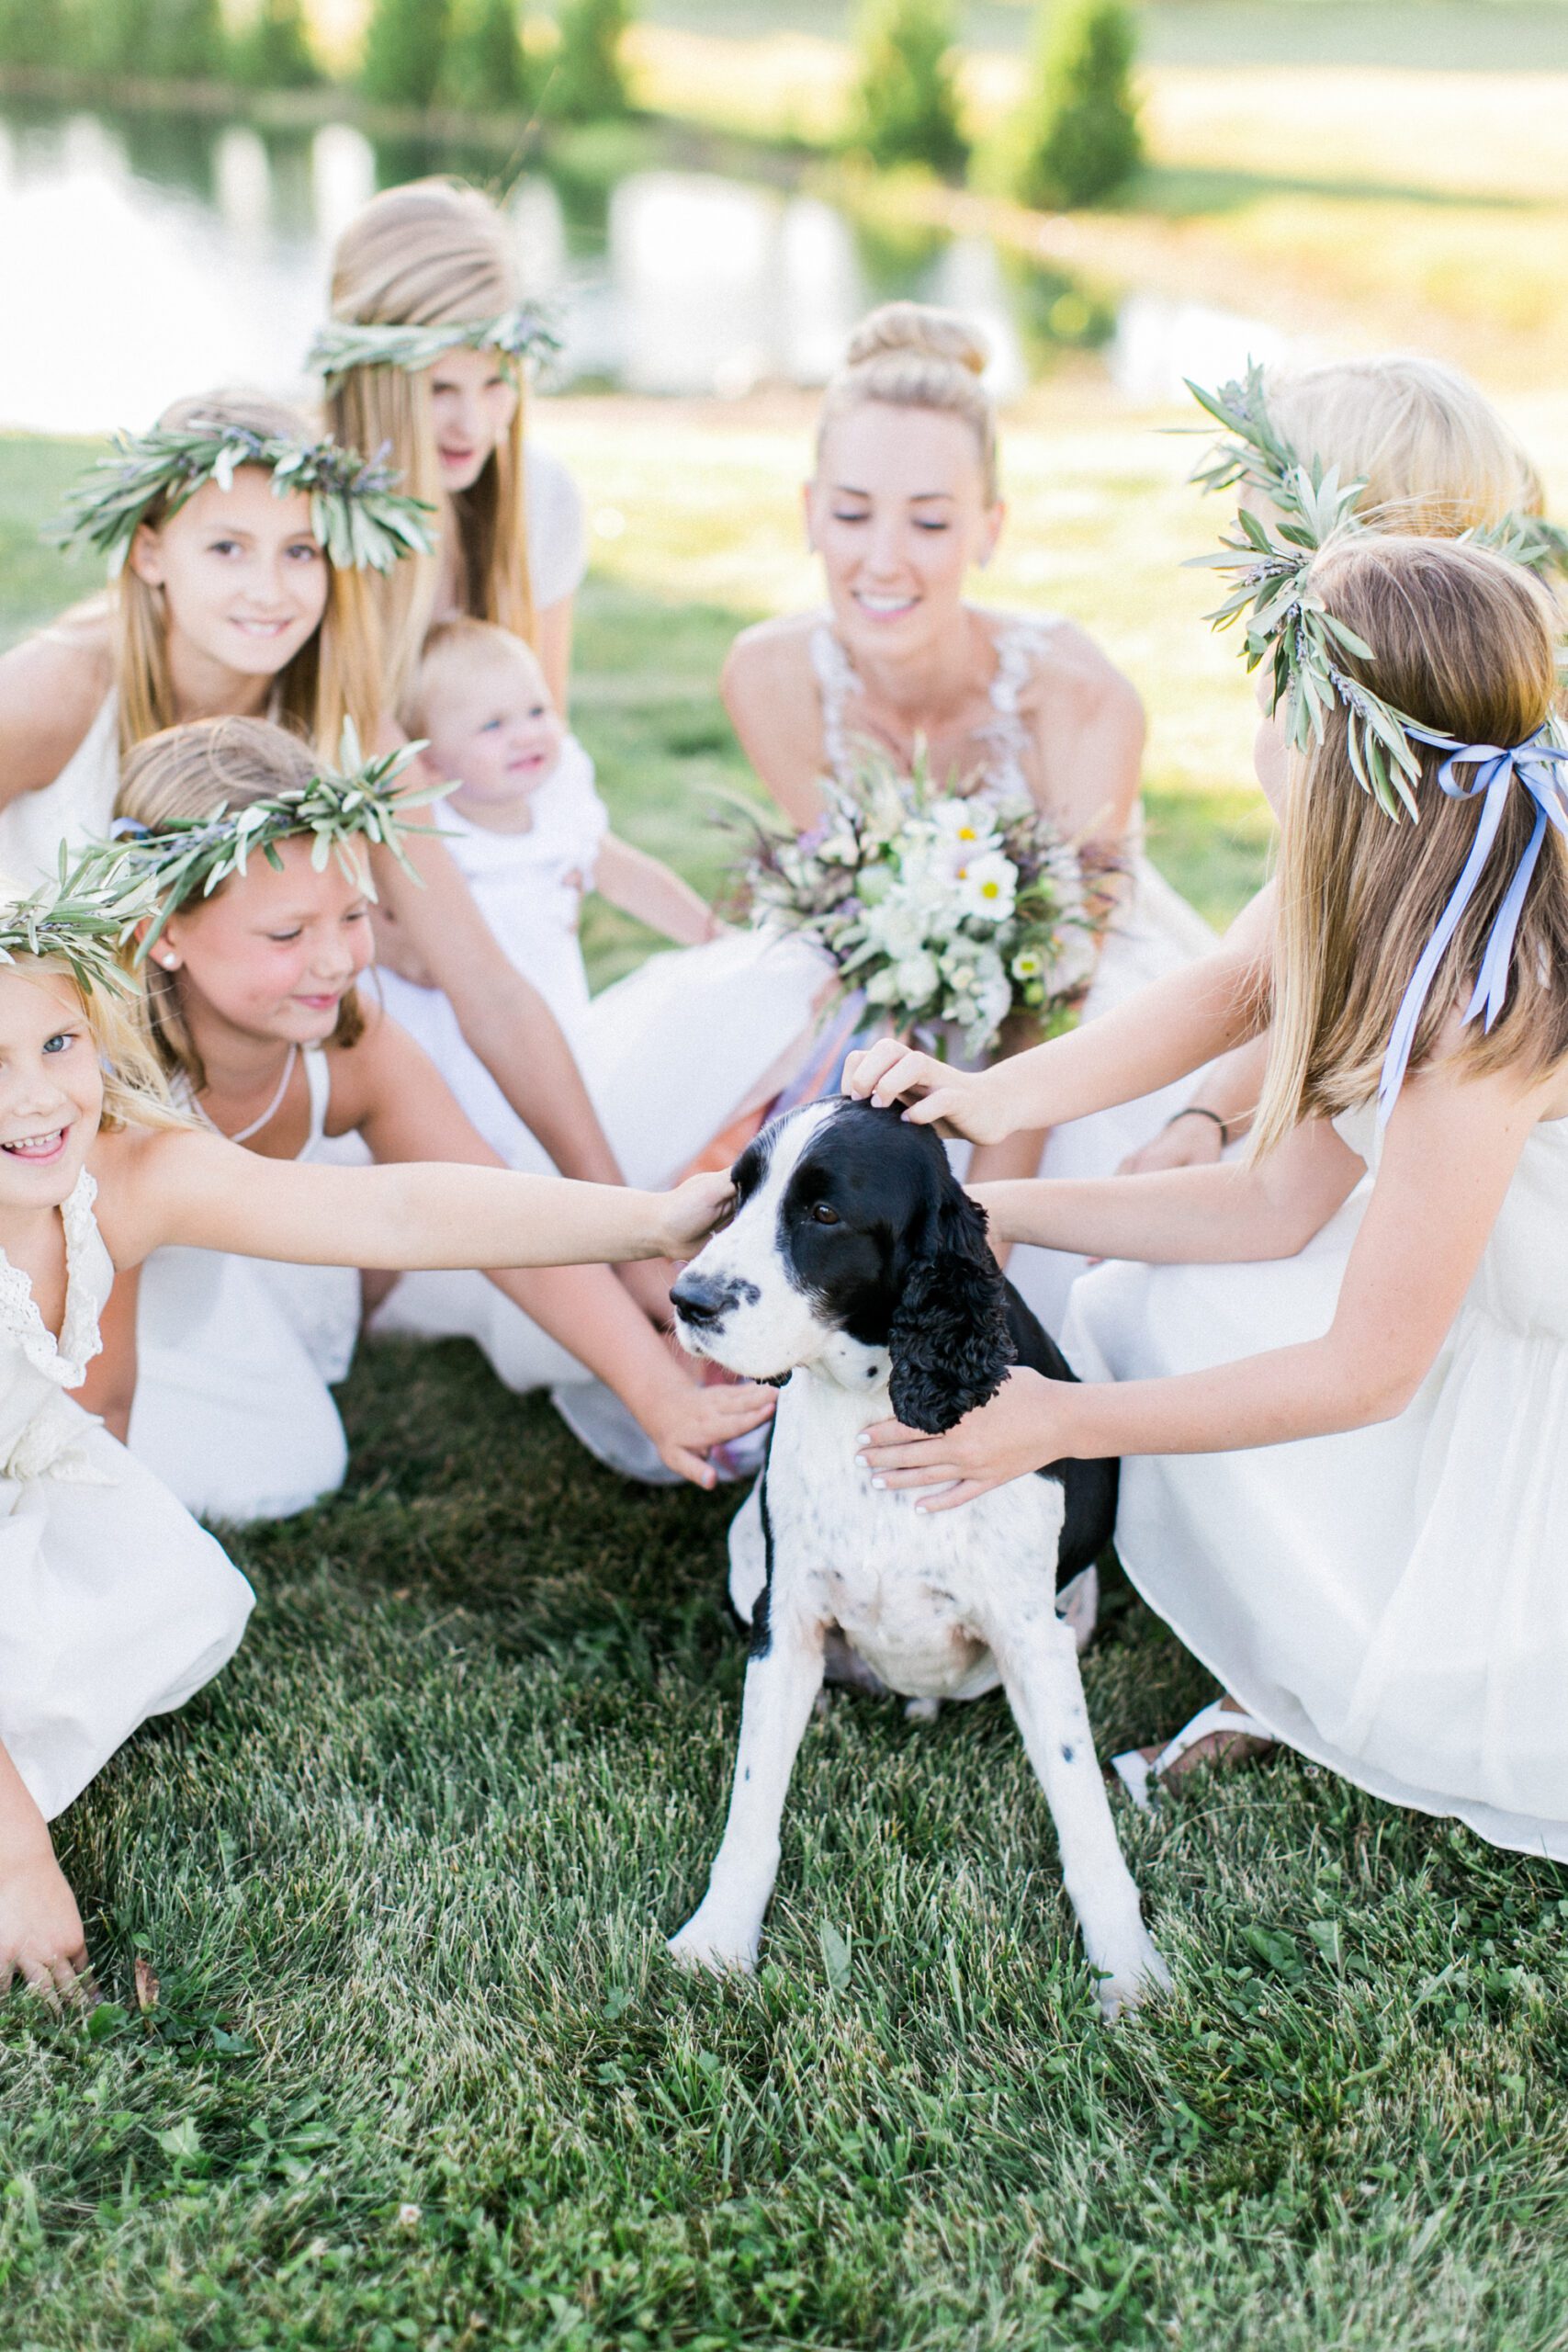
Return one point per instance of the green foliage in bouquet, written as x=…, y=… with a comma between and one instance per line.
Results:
x=587, y=80
x=905, y=108
x=949, y=911
x=1081, y=139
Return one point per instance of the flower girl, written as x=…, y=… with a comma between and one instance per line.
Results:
x=118, y=1605
x=1360, y=1528
x=251, y=976
x=673, y=1053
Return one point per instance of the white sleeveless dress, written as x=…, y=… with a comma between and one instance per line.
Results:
x=76, y=809
x=233, y=1409
x=670, y=1055
x=1391, y=1602
x=114, y=1605
x=1153, y=932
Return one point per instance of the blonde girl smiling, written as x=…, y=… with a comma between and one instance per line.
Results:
x=118, y=1606
x=261, y=1030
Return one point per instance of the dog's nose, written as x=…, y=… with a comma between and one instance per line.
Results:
x=700, y=1299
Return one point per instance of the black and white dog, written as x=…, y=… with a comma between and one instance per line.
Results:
x=856, y=1271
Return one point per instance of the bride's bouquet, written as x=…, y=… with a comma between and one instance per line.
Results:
x=949, y=911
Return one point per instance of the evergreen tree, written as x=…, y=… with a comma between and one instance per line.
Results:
x=274, y=52
x=1082, y=140
x=587, y=79
x=484, y=69
x=904, y=109
x=404, y=45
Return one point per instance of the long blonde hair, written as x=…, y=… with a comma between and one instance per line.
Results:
x=197, y=770
x=1436, y=457
x=1467, y=643
x=337, y=672
x=433, y=252
x=910, y=354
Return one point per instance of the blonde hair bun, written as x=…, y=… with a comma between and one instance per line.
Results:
x=921, y=328
x=910, y=354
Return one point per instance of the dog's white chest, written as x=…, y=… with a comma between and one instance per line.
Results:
x=913, y=1591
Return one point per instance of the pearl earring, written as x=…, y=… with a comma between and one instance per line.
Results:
x=170, y=963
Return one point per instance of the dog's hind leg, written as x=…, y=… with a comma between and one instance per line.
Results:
x=726, y=1931
x=1038, y=1659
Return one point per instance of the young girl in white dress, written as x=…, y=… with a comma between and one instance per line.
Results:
x=904, y=500
x=262, y=1033
x=117, y=1606
x=1432, y=458
x=671, y=1054
x=1360, y=1528
x=428, y=351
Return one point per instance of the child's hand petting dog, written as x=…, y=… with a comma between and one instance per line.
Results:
x=696, y=1419
x=1025, y=1425
x=693, y=1212
x=967, y=1101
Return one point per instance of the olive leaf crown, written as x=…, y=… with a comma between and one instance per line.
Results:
x=526, y=331
x=182, y=858
x=1284, y=621
x=357, y=512
x=83, y=916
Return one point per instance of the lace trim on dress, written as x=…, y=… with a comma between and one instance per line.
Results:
x=836, y=680
x=65, y=1360
x=1018, y=645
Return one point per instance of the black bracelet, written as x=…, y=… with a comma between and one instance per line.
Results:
x=1201, y=1111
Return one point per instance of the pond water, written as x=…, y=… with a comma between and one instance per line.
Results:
x=145, y=257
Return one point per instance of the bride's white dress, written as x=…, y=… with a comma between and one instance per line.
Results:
x=116, y=1605
x=1154, y=931
x=1391, y=1602
x=671, y=1055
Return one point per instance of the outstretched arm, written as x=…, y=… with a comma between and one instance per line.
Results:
x=402, y=1107
x=1168, y=1029
x=653, y=892
x=210, y=1194
x=1186, y=1215
x=1450, y=1154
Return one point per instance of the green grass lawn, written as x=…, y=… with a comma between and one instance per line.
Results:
x=418, y=2074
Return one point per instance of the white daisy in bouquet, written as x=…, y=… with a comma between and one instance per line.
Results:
x=949, y=911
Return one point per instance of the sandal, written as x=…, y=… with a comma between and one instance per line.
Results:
x=1139, y=1773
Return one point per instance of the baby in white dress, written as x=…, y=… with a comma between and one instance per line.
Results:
x=671, y=1055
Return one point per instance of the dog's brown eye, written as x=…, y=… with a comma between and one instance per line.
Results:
x=824, y=1214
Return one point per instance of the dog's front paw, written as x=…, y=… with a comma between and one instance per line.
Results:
x=715, y=1946
x=1138, y=1975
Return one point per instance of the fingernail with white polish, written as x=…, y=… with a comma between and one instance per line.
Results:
x=879, y=1482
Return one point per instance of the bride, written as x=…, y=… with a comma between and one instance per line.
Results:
x=904, y=500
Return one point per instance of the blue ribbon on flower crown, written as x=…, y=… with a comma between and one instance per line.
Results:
x=1535, y=764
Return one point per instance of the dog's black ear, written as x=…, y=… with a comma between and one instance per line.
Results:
x=950, y=1343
